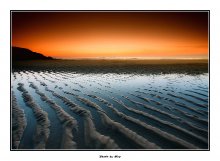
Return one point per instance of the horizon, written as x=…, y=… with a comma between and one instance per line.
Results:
x=133, y=58
x=113, y=35
x=124, y=58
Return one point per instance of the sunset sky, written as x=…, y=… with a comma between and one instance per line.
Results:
x=71, y=35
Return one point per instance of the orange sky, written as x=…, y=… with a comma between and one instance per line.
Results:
x=112, y=34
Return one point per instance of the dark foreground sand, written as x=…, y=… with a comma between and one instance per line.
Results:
x=117, y=66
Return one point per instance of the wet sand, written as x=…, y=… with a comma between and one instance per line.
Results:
x=110, y=104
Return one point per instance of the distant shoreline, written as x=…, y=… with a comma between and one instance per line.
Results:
x=123, y=60
x=135, y=60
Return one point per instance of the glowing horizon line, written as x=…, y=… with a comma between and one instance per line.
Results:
x=137, y=58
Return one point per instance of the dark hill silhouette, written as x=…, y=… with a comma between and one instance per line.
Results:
x=19, y=54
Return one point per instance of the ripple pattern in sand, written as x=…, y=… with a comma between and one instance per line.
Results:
x=111, y=111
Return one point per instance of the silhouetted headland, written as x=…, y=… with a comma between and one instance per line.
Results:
x=23, y=54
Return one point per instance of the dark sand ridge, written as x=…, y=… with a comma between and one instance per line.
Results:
x=198, y=129
x=204, y=88
x=183, y=112
x=150, y=100
x=200, y=112
x=158, y=103
x=167, y=114
x=43, y=76
x=198, y=98
x=43, y=123
x=144, y=143
x=181, y=121
x=139, y=140
x=117, y=112
x=125, y=131
x=162, y=112
x=154, y=109
x=197, y=93
x=167, y=106
x=93, y=139
x=201, y=89
x=18, y=123
x=171, y=116
x=187, y=100
x=166, y=123
x=175, y=102
x=186, y=94
x=160, y=133
x=192, y=117
x=68, y=122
